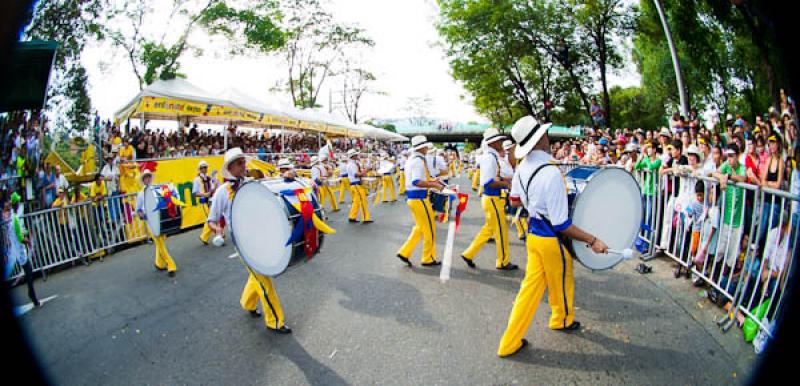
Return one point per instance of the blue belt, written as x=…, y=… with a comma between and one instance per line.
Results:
x=387, y=174
x=416, y=194
x=355, y=183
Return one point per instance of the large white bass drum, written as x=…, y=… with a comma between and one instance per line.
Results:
x=160, y=219
x=606, y=203
x=263, y=220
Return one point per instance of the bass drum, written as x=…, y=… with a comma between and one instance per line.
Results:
x=261, y=225
x=607, y=203
x=159, y=220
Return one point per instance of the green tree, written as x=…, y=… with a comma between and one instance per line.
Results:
x=71, y=23
x=315, y=45
x=635, y=109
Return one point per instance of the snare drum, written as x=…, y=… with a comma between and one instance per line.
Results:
x=161, y=221
x=438, y=201
x=262, y=222
x=333, y=182
x=370, y=183
x=608, y=204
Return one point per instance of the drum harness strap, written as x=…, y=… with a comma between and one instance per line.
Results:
x=558, y=237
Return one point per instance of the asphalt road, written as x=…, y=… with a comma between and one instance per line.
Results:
x=361, y=317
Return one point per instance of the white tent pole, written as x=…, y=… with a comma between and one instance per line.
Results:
x=225, y=137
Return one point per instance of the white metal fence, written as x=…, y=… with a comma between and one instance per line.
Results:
x=63, y=235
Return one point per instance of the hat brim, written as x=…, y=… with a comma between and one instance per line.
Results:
x=425, y=144
x=522, y=151
x=143, y=175
x=494, y=138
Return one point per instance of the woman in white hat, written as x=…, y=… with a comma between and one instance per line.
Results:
x=418, y=180
x=202, y=190
x=493, y=204
x=258, y=287
x=539, y=186
x=163, y=260
x=360, y=204
x=319, y=174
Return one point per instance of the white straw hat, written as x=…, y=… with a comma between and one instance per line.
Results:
x=230, y=156
x=492, y=135
x=145, y=173
x=420, y=141
x=527, y=132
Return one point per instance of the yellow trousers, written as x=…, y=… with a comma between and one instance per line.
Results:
x=522, y=227
x=163, y=259
x=494, y=226
x=344, y=186
x=326, y=194
x=388, y=188
x=476, y=178
x=424, y=227
x=549, y=266
x=401, y=182
x=259, y=287
x=207, y=232
x=360, y=203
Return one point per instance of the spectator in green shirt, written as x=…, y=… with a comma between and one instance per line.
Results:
x=731, y=231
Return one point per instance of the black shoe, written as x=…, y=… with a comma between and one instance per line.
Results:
x=255, y=313
x=524, y=344
x=282, y=330
x=469, y=262
x=509, y=267
x=37, y=303
x=404, y=259
x=159, y=269
x=171, y=274
x=431, y=264
x=351, y=220
x=368, y=222
x=575, y=326
x=490, y=241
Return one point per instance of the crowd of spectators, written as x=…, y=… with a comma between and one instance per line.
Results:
x=699, y=165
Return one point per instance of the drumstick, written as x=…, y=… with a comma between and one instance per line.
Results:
x=626, y=253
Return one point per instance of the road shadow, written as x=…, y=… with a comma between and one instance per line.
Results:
x=316, y=372
x=386, y=298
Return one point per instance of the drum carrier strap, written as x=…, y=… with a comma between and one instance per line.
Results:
x=527, y=186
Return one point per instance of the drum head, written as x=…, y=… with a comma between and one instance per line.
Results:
x=609, y=207
x=260, y=228
x=151, y=211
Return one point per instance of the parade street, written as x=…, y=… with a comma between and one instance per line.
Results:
x=360, y=316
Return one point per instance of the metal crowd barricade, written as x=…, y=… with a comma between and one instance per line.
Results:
x=740, y=241
x=62, y=235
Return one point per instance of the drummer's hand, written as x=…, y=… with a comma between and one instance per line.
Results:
x=599, y=246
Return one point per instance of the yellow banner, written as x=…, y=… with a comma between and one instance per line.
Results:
x=159, y=105
x=181, y=174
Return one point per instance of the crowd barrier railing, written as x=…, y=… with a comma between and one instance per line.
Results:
x=740, y=240
x=62, y=235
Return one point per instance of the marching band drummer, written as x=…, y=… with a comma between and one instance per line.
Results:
x=203, y=189
x=344, y=183
x=507, y=165
x=163, y=260
x=418, y=181
x=357, y=191
x=495, y=225
x=319, y=174
x=542, y=191
x=387, y=180
x=258, y=287
x=401, y=176
x=437, y=167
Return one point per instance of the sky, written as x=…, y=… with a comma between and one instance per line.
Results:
x=405, y=60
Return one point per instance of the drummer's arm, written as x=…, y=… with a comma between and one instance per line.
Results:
x=435, y=184
x=576, y=233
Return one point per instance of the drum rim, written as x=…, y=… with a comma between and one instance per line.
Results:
x=572, y=242
x=241, y=253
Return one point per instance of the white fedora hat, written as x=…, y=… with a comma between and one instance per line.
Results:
x=145, y=173
x=492, y=135
x=351, y=153
x=527, y=132
x=202, y=164
x=230, y=156
x=314, y=160
x=508, y=144
x=284, y=163
x=420, y=141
